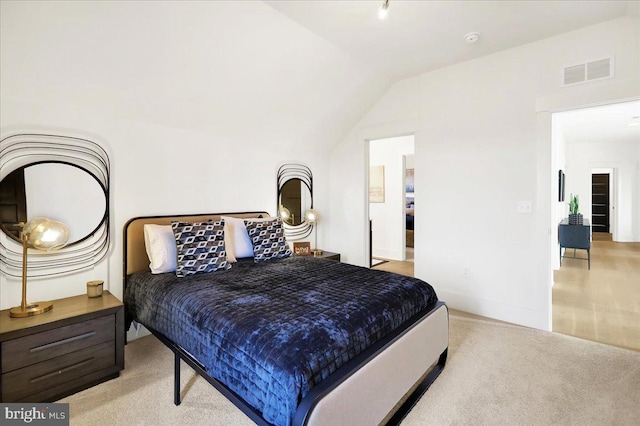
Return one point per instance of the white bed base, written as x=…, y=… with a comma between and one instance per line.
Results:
x=372, y=392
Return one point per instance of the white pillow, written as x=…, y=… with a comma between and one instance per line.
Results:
x=236, y=238
x=161, y=248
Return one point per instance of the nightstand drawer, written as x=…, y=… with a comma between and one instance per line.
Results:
x=19, y=384
x=24, y=351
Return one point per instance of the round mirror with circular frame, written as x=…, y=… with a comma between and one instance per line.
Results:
x=60, y=191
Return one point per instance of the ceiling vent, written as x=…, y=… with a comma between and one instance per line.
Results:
x=590, y=71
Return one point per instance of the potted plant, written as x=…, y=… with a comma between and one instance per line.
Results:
x=575, y=218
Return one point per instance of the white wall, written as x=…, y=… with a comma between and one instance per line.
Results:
x=623, y=158
x=388, y=218
x=483, y=144
x=197, y=104
x=410, y=162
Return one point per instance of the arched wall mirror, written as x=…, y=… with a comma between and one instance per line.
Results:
x=65, y=179
x=295, y=197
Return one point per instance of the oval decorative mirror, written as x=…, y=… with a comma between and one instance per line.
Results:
x=295, y=197
x=60, y=191
x=60, y=177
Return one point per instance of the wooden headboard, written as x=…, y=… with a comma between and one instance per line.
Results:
x=135, y=254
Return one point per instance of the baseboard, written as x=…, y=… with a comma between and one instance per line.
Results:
x=388, y=254
x=491, y=309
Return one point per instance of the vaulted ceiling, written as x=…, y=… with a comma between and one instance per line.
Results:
x=296, y=70
x=420, y=36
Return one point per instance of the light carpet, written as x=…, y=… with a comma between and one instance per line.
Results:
x=496, y=374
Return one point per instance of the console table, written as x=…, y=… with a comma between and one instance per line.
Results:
x=575, y=237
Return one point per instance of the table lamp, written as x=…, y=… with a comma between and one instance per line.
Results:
x=311, y=217
x=41, y=234
x=286, y=214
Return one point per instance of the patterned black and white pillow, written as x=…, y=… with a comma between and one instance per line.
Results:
x=267, y=237
x=200, y=247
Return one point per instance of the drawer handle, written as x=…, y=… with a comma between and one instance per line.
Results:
x=64, y=370
x=62, y=342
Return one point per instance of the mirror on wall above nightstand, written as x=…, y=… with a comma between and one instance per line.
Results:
x=65, y=178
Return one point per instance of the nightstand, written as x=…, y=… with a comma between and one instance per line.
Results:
x=78, y=344
x=329, y=255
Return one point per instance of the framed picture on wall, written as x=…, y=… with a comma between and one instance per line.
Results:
x=302, y=248
x=376, y=184
x=408, y=181
x=560, y=185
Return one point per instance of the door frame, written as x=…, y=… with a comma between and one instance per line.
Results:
x=395, y=197
x=546, y=106
x=367, y=134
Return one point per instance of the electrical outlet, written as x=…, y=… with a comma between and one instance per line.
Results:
x=525, y=207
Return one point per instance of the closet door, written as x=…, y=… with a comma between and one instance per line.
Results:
x=600, y=202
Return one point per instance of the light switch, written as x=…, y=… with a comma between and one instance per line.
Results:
x=524, y=207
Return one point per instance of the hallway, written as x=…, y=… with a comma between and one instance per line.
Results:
x=601, y=304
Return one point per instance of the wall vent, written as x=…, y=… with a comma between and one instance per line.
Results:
x=589, y=71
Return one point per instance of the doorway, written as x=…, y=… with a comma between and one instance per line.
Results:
x=598, y=149
x=390, y=204
x=600, y=202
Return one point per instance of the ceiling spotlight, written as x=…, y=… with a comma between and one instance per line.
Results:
x=384, y=10
x=471, y=37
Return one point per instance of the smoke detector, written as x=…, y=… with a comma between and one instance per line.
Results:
x=471, y=37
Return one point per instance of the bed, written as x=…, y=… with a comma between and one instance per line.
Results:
x=306, y=370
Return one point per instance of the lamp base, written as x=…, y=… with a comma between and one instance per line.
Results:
x=31, y=309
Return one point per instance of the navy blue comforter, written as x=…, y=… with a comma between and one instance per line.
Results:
x=271, y=331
